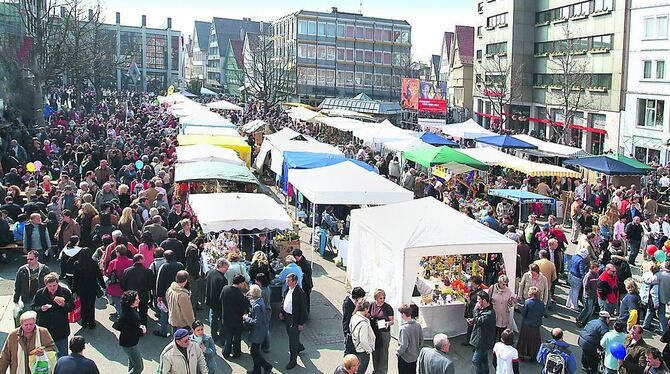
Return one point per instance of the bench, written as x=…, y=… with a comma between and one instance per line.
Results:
x=12, y=246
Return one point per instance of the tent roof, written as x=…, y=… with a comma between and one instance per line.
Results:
x=224, y=105
x=207, y=92
x=426, y=223
x=469, y=129
x=253, y=126
x=437, y=140
x=207, y=152
x=219, y=140
x=494, y=157
x=605, y=165
x=505, y=141
x=206, y=118
x=346, y=183
x=302, y=114
x=382, y=132
x=213, y=170
x=174, y=97
x=338, y=112
x=239, y=211
x=406, y=144
x=630, y=161
x=521, y=196
x=442, y=155
x=342, y=123
x=310, y=160
x=208, y=130
x=188, y=94
x=551, y=149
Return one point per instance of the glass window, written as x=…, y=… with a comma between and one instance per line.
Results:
x=330, y=53
x=322, y=29
x=340, y=31
x=330, y=31
x=368, y=56
x=311, y=51
x=650, y=113
x=340, y=54
x=662, y=27
x=378, y=34
x=387, y=58
x=369, y=33
x=649, y=27
x=602, y=5
x=358, y=79
x=368, y=79
x=387, y=36
x=302, y=50
x=350, y=54
x=302, y=27
x=660, y=69
x=311, y=28
x=350, y=31
x=359, y=55
x=360, y=32
x=321, y=52
x=647, y=69
x=378, y=57
x=479, y=54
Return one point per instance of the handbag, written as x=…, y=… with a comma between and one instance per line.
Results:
x=112, y=279
x=74, y=316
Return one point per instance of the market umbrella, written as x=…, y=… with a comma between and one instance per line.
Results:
x=442, y=155
x=630, y=161
x=437, y=140
x=605, y=165
x=505, y=141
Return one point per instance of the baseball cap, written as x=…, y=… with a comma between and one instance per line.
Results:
x=180, y=334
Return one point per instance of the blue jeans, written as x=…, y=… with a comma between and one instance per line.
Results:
x=117, y=304
x=163, y=320
x=573, y=294
x=606, y=306
x=61, y=345
x=135, y=363
x=633, y=250
x=662, y=320
x=587, y=311
x=215, y=323
x=480, y=362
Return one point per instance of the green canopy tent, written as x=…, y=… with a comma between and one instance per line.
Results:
x=631, y=162
x=428, y=157
x=213, y=170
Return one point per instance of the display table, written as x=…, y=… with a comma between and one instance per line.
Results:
x=341, y=244
x=441, y=318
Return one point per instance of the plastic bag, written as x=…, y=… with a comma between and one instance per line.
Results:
x=42, y=365
x=18, y=309
x=75, y=315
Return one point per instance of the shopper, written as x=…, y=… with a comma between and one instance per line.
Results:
x=24, y=341
x=410, y=340
x=483, y=333
x=381, y=316
x=29, y=278
x=178, y=302
x=257, y=319
x=234, y=305
x=505, y=356
x=88, y=284
x=131, y=329
x=294, y=315
x=182, y=356
x=435, y=360
x=75, y=362
x=52, y=304
x=206, y=344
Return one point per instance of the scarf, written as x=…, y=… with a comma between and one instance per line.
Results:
x=21, y=354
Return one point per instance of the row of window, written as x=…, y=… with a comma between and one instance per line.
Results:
x=331, y=78
x=574, y=10
x=495, y=49
x=656, y=27
x=311, y=51
x=600, y=42
x=649, y=73
x=497, y=20
x=373, y=33
x=594, y=80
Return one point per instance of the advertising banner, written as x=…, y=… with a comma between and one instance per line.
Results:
x=424, y=96
x=410, y=93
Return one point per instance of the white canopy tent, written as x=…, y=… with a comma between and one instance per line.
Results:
x=469, y=129
x=206, y=118
x=386, y=244
x=548, y=149
x=218, y=212
x=253, y=126
x=207, y=152
x=207, y=130
x=302, y=114
x=346, y=113
x=175, y=97
x=207, y=92
x=346, y=183
x=342, y=123
x=225, y=105
x=491, y=156
x=288, y=140
x=381, y=133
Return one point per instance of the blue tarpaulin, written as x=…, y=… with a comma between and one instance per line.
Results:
x=437, y=140
x=521, y=196
x=505, y=141
x=606, y=165
x=310, y=160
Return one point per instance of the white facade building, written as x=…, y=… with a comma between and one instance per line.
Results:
x=645, y=131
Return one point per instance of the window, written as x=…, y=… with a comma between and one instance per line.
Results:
x=350, y=30
x=359, y=55
x=646, y=74
x=368, y=80
x=479, y=30
x=581, y=9
x=401, y=36
x=358, y=79
x=601, y=81
x=543, y=17
x=602, y=42
x=325, y=77
x=600, y=5
x=321, y=52
x=330, y=53
x=368, y=57
x=561, y=13
x=311, y=28
x=307, y=76
x=302, y=27
x=496, y=48
x=322, y=29
x=378, y=57
x=302, y=50
x=479, y=54
x=662, y=27
x=350, y=54
x=647, y=155
x=340, y=54
x=369, y=33
x=340, y=31
x=387, y=58
x=656, y=27
x=330, y=32
x=378, y=34
x=360, y=32
x=498, y=19
x=660, y=69
x=480, y=7
x=650, y=113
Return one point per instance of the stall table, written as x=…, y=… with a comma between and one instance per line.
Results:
x=441, y=318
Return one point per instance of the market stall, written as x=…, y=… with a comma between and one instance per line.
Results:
x=208, y=130
x=300, y=113
x=522, y=197
x=392, y=246
x=206, y=118
x=549, y=149
x=309, y=160
x=253, y=126
x=505, y=142
x=224, y=105
x=494, y=157
x=206, y=152
x=379, y=133
x=283, y=141
x=469, y=129
x=606, y=165
x=428, y=157
x=236, y=143
x=213, y=170
x=437, y=140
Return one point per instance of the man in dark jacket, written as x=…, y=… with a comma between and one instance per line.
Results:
x=306, y=268
x=193, y=268
x=215, y=280
x=173, y=244
x=469, y=312
x=12, y=209
x=483, y=336
x=234, y=305
x=52, y=304
x=294, y=315
x=76, y=362
x=36, y=236
x=348, y=308
x=589, y=340
x=634, y=234
x=29, y=278
x=164, y=278
x=140, y=279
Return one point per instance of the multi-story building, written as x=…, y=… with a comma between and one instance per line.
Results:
x=339, y=54
x=527, y=36
x=460, y=74
x=157, y=52
x=645, y=132
x=199, y=45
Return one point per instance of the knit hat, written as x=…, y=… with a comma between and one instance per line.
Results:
x=180, y=334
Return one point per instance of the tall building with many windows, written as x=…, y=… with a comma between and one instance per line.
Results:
x=339, y=54
x=530, y=36
x=645, y=132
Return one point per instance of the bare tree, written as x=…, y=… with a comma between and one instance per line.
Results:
x=500, y=84
x=570, y=68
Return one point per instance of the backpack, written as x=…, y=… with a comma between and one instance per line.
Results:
x=555, y=362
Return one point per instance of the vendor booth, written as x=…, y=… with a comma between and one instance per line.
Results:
x=606, y=165
x=469, y=129
x=493, y=157
x=276, y=144
x=309, y=160
x=224, y=105
x=213, y=170
x=437, y=140
x=432, y=156
x=253, y=126
x=424, y=243
x=207, y=130
x=206, y=118
x=522, y=197
x=379, y=133
x=206, y=152
x=505, y=142
x=300, y=113
x=236, y=143
x=549, y=149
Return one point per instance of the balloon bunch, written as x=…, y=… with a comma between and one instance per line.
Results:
x=32, y=166
x=618, y=351
x=658, y=254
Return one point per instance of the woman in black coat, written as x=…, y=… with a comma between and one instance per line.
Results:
x=87, y=283
x=131, y=330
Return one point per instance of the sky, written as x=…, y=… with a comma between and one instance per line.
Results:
x=429, y=18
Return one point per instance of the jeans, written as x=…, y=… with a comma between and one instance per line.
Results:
x=135, y=363
x=590, y=360
x=606, y=306
x=480, y=362
x=633, y=250
x=117, y=304
x=215, y=323
x=163, y=320
x=405, y=367
x=573, y=296
x=586, y=313
x=259, y=360
x=61, y=345
x=231, y=342
x=662, y=319
x=380, y=356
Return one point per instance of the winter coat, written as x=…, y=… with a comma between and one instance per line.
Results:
x=362, y=334
x=180, y=310
x=8, y=358
x=592, y=333
x=234, y=305
x=608, y=288
x=214, y=283
x=166, y=275
x=87, y=279
x=129, y=326
x=140, y=279
x=22, y=283
x=258, y=321
x=54, y=318
x=117, y=265
x=484, y=329
x=172, y=361
x=635, y=360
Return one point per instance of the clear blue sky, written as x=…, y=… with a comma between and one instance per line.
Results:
x=429, y=18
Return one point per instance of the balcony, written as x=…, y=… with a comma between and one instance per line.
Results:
x=601, y=12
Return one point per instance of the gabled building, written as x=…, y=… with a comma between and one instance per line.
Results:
x=435, y=67
x=198, y=49
x=445, y=56
x=233, y=67
x=461, y=72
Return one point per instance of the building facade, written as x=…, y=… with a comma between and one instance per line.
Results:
x=157, y=53
x=197, y=52
x=339, y=54
x=645, y=131
x=460, y=74
x=528, y=36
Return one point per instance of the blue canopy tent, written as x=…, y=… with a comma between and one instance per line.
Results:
x=310, y=160
x=522, y=197
x=505, y=141
x=606, y=165
x=437, y=140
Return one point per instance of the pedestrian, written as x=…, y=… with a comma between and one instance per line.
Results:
x=529, y=336
x=655, y=364
x=290, y=268
x=534, y=278
x=634, y=233
x=362, y=335
x=114, y=273
x=474, y=286
x=410, y=340
x=52, y=304
x=435, y=360
x=548, y=269
x=306, y=267
x=215, y=280
x=649, y=294
x=87, y=283
x=608, y=290
x=36, y=237
x=260, y=264
x=257, y=319
x=483, y=333
x=555, y=355
x=294, y=315
x=25, y=341
x=29, y=278
x=147, y=248
x=505, y=356
x=140, y=279
x=349, y=365
x=579, y=267
x=381, y=317
x=590, y=294
x=348, y=309
x=182, y=356
x=75, y=362
x=165, y=276
x=234, y=306
x=206, y=344
x=131, y=329
x=617, y=335
x=635, y=360
x=66, y=229
x=502, y=299
x=663, y=295
x=631, y=304
x=192, y=266
x=589, y=340
x=236, y=266
x=178, y=302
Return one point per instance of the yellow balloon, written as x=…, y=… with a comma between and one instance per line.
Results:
x=30, y=167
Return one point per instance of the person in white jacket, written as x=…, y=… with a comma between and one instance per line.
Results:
x=362, y=335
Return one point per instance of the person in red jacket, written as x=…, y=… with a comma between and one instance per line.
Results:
x=608, y=291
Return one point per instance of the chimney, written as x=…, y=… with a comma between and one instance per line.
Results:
x=90, y=14
x=63, y=12
x=144, y=20
x=169, y=22
x=334, y=9
x=246, y=19
x=261, y=27
x=118, y=18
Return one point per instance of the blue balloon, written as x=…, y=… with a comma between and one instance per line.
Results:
x=139, y=164
x=618, y=351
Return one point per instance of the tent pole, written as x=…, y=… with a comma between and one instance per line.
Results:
x=520, y=210
x=313, y=228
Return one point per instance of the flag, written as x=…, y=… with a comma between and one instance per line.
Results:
x=134, y=71
x=170, y=90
